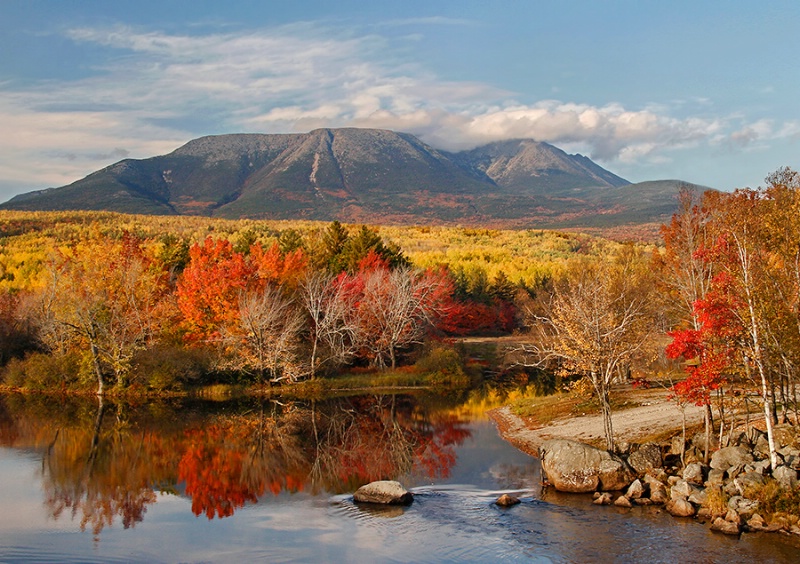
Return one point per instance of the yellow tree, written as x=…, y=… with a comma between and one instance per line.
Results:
x=104, y=295
x=596, y=322
x=780, y=221
x=742, y=256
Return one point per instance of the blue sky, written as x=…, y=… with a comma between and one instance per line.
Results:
x=700, y=91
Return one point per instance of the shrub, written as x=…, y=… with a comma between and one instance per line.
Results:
x=444, y=365
x=169, y=367
x=716, y=501
x=772, y=498
x=45, y=372
x=439, y=358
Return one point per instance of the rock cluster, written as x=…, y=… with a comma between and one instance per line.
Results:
x=650, y=475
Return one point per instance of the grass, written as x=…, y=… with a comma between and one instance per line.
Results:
x=373, y=381
x=576, y=401
x=773, y=499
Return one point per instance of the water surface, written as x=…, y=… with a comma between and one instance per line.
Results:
x=273, y=481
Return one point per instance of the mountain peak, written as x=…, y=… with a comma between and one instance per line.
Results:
x=349, y=174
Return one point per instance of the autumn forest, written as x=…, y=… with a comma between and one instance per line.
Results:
x=114, y=304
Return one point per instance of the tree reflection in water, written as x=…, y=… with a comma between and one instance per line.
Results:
x=98, y=473
x=108, y=462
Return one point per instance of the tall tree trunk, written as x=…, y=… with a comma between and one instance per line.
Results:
x=607, y=423
x=314, y=356
x=97, y=370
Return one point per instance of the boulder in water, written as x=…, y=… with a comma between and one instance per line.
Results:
x=386, y=492
x=506, y=500
x=576, y=467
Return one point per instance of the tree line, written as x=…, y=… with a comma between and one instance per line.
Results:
x=122, y=310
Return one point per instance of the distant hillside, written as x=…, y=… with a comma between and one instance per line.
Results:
x=364, y=175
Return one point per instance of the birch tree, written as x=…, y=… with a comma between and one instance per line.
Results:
x=266, y=337
x=597, y=321
x=333, y=331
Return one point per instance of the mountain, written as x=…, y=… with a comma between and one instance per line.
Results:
x=363, y=175
x=528, y=165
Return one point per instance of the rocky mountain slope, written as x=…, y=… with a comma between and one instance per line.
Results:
x=363, y=175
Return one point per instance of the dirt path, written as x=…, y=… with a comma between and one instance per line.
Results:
x=656, y=415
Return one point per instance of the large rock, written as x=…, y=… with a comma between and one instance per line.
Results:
x=784, y=435
x=506, y=500
x=678, y=445
x=680, y=508
x=715, y=478
x=699, y=441
x=726, y=527
x=682, y=489
x=744, y=507
x=386, y=492
x=648, y=456
x=636, y=490
x=577, y=467
x=726, y=457
x=786, y=477
x=658, y=491
x=693, y=473
x=745, y=481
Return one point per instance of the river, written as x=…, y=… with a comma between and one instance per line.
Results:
x=192, y=481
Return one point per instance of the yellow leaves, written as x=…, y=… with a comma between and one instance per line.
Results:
x=522, y=255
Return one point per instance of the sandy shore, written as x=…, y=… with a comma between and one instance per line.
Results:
x=656, y=414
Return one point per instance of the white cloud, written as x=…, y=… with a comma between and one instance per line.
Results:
x=160, y=90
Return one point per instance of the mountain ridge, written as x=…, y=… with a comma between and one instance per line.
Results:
x=356, y=175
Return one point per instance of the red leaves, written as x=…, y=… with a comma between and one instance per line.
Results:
x=209, y=289
x=708, y=351
x=685, y=344
x=274, y=267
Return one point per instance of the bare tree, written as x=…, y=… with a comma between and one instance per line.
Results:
x=396, y=308
x=596, y=322
x=333, y=331
x=270, y=326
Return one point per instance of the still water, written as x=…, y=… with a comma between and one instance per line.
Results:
x=272, y=481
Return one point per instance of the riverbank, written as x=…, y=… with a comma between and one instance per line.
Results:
x=736, y=491
x=650, y=414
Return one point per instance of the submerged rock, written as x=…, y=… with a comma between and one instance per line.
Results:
x=387, y=492
x=576, y=467
x=603, y=499
x=726, y=527
x=506, y=500
x=623, y=501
